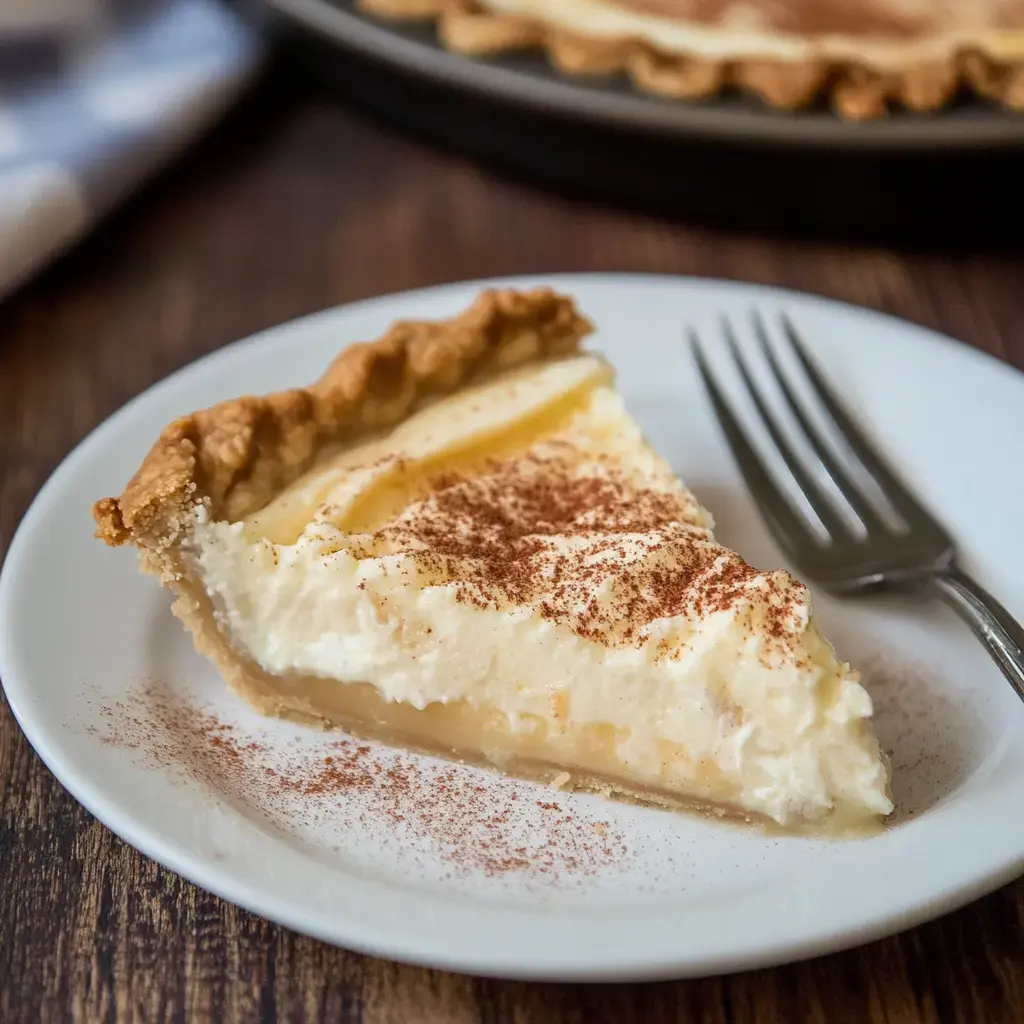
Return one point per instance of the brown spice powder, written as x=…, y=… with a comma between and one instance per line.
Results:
x=591, y=550
x=472, y=827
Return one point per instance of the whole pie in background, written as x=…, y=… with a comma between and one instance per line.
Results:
x=864, y=55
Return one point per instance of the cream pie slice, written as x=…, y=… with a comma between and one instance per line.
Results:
x=457, y=540
x=866, y=55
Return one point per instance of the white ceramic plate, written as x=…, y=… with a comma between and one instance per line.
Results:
x=452, y=867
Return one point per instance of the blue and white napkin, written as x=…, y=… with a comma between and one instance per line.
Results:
x=94, y=96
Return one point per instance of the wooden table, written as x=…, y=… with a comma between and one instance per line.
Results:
x=291, y=206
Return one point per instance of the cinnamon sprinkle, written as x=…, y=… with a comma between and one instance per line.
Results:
x=405, y=801
x=589, y=548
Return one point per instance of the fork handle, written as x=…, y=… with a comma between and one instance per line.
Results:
x=992, y=624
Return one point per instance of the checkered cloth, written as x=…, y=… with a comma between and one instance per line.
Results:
x=94, y=96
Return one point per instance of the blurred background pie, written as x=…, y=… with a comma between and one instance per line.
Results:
x=864, y=55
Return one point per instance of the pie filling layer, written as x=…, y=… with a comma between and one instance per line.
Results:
x=891, y=33
x=513, y=575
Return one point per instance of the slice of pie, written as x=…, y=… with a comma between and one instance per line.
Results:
x=863, y=54
x=457, y=540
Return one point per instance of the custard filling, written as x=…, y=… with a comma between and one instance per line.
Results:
x=512, y=575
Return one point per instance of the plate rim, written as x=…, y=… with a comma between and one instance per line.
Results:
x=633, y=111
x=217, y=880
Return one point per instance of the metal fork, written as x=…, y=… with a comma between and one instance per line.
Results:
x=920, y=557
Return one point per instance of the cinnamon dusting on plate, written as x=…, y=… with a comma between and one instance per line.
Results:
x=474, y=826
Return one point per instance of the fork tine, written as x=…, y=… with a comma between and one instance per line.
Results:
x=824, y=509
x=866, y=512
x=902, y=500
x=788, y=528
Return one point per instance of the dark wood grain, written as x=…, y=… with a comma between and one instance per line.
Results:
x=291, y=206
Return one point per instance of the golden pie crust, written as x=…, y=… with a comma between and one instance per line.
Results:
x=989, y=62
x=234, y=457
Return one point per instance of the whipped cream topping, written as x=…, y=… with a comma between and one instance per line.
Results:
x=568, y=581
